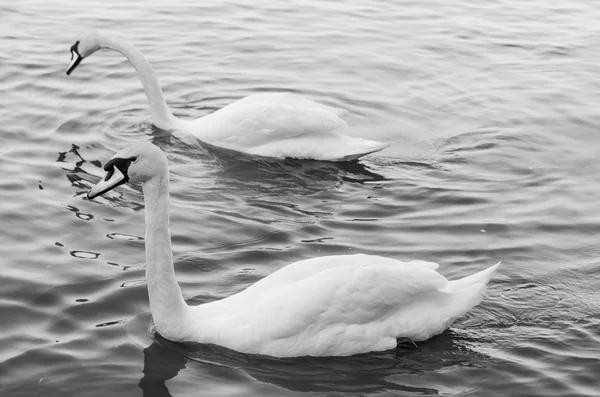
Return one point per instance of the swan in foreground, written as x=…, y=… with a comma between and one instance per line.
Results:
x=328, y=306
x=267, y=124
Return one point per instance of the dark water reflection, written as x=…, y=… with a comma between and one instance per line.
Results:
x=265, y=176
x=369, y=373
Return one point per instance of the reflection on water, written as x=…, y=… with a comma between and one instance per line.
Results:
x=160, y=365
x=231, y=169
x=368, y=373
x=490, y=110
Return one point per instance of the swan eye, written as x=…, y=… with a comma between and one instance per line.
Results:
x=133, y=159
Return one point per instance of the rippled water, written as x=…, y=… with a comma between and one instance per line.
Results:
x=491, y=109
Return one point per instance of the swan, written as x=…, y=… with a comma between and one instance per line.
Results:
x=326, y=306
x=266, y=124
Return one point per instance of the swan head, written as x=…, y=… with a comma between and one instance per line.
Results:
x=137, y=163
x=85, y=45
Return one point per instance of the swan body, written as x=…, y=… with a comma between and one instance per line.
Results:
x=267, y=124
x=327, y=306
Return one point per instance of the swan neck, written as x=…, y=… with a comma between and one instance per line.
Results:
x=166, y=302
x=161, y=115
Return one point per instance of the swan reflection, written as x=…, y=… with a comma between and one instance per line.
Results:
x=360, y=374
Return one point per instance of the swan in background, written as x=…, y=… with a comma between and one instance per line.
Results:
x=266, y=124
x=328, y=306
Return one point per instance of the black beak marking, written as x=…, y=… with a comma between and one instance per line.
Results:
x=74, y=47
x=74, y=54
x=109, y=174
x=121, y=163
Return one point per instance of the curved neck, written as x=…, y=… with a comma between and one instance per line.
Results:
x=161, y=115
x=166, y=302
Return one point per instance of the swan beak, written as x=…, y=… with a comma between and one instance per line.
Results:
x=75, y=60
x=112, y=179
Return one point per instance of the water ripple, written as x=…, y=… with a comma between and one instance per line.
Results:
x=490, y=110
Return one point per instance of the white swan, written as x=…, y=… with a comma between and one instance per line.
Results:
x=268, y=124
x=332, y=305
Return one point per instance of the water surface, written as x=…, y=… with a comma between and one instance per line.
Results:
x=491, y=110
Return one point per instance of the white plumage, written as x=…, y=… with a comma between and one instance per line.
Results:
x=337, y=306
x=267, y=124
x=327, y=306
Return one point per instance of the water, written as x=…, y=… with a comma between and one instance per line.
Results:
x=491, y=112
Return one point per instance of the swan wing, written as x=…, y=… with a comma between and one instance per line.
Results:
x=300, y=270
x=263, y=118
x=282, y=125
x=341, y=310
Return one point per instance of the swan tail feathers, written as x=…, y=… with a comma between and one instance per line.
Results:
x=435, y=312
x=464, y=294
x=481, y=279
x=358, y=148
